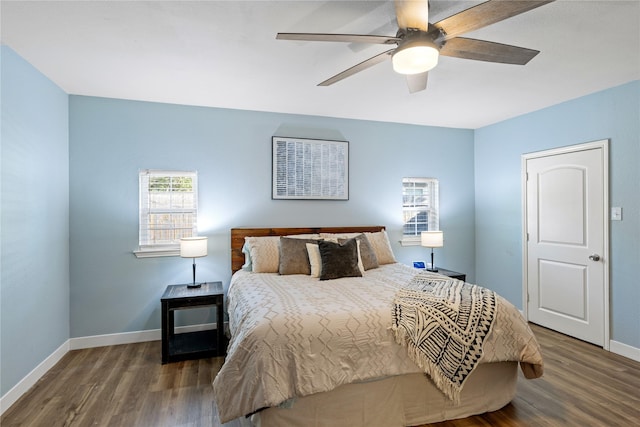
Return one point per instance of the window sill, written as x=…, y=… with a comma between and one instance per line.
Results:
x=156, y=252
x=410, y=241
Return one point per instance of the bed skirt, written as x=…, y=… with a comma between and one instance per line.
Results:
x=404, y=400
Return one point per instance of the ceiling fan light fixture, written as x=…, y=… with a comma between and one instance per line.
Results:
x=415, y=57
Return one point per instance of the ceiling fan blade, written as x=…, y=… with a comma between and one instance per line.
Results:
x=482, y=50
x=417, y=82
x=485, y=14
x=349, y=38
x=412, y=14
x=357, y=68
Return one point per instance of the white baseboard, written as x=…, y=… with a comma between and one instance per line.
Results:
x=10, y=397
x=114, y=339
x=130, y=337
x=625, y=350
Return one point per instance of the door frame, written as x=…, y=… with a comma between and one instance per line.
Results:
x=604, y=146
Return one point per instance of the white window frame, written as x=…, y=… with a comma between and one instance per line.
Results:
x=147, y=247
x=411, y=206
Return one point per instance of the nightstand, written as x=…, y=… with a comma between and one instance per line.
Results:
x=192, y=345
x=452, y=274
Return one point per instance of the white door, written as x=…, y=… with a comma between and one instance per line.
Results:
x=566, y=250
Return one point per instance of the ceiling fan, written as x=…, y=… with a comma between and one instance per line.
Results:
x=419, y=43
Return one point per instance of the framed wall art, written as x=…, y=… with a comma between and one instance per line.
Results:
x=310, y=169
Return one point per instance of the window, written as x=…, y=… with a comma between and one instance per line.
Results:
x=419, y=208
x=168, y=211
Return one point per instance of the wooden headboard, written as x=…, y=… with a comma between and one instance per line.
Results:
x=238, y=235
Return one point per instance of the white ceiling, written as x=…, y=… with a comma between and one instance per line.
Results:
x=224, y=54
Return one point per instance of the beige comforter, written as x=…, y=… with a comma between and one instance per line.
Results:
x=295, y=336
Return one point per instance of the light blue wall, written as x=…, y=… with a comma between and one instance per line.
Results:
x=69, y=200
x=611, y=114
x=34, y=284
x=111, y=140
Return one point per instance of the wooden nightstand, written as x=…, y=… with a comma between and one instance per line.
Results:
x=192, y=345
x=452, y=274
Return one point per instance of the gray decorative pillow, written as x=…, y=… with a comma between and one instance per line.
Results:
x=381, y=246
x=294, y=258
x=367, y=254
x=339, y=260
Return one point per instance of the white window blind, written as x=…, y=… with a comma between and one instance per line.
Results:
x=419, y=208
x=168, y=208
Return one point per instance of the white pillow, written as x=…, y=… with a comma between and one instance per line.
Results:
x=314, y=259
x=247, y=257
x=264, y=253
x=333, y=237
x=304, y=236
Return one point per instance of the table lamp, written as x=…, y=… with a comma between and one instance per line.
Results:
x=432, y=239
x=193, y=247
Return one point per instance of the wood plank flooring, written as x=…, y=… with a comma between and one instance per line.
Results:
x=126, y=385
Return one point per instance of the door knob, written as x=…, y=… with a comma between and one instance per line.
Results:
x=594, y=257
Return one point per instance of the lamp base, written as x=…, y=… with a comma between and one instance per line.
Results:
x=433, y=270
x=194, y=285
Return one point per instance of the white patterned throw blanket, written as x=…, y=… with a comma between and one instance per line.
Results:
x=295, y=336
x=443, y=324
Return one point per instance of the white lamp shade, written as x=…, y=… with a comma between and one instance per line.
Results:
x=432, y=239
x=193, y=247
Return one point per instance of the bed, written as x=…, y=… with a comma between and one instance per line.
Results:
x=311, y=349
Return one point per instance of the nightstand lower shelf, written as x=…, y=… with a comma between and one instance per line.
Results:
x=193, y=345
x=198, y=344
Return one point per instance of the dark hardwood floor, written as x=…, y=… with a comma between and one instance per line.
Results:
x=126, y=385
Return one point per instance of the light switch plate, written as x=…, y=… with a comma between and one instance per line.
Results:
x=616, y=214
